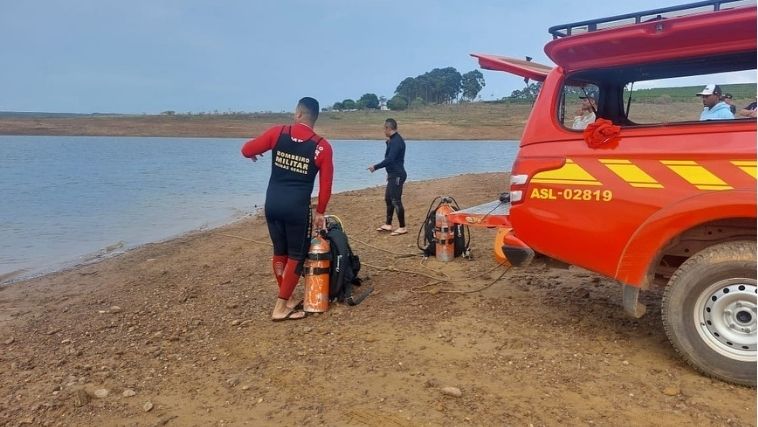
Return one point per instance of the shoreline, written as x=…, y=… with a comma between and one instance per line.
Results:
x=120, y=248
x=24, y=263
x=17, y=277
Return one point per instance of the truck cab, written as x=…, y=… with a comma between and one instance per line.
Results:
x=622, y=172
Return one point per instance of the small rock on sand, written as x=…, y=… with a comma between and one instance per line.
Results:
x=671, y=390
x=451, y=391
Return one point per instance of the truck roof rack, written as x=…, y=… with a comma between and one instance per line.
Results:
x=591, y=25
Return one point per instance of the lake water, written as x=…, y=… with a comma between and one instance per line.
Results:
x=67, y=200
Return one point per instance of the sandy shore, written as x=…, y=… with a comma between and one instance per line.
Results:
x=178, y=333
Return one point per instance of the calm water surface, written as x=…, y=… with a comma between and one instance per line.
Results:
x=66, y=200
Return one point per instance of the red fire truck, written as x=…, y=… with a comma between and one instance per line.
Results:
x=648, y=194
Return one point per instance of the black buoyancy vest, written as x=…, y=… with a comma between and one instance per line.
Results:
x=293, y=161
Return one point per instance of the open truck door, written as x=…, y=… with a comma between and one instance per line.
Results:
x=525, y=68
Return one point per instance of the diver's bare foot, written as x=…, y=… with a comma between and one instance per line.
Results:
x=294, y=303
x=282, y=312
x=280, y=309
x=399, y=231
x=292, y=315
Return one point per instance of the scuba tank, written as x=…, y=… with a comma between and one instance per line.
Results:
x=443, y=232
x=317, y=267
x=430, y=235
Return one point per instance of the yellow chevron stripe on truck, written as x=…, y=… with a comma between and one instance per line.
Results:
x=631, y=173
x=696, y=175
x=691, y=171
x=570, y=173
x=748, y=166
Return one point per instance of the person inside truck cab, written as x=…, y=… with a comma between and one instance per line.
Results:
x=713, y=107
x=729, y=99
x=585, y=114
x=748, y=111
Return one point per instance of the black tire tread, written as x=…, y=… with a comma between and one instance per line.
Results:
x=727, y=251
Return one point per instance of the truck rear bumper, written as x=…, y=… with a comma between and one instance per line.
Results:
x=518, y=253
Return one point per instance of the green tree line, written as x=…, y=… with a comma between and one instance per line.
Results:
x=367, y=101
x=438, y=86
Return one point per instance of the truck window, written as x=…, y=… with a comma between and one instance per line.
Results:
x=662, y=92
x=676, y=99
x=578, y=105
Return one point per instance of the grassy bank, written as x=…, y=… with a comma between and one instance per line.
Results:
x=496, y=121
x=464, y=121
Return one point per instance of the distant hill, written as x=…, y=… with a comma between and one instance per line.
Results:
x=500, y=120
x=43, y=115
x=458, y=121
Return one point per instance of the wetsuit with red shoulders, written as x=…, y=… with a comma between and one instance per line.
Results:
x=298, y=154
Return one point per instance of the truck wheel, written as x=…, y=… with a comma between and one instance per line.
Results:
x=709, y=311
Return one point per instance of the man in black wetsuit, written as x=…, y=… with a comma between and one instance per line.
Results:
x=394, y=160
x=298, y=154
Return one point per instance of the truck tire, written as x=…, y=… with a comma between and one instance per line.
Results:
x=709, y=311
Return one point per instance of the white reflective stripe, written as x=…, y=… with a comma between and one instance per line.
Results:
x=516, y=196
x=519, y=179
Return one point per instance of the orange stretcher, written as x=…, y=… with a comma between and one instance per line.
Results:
x=491, y=214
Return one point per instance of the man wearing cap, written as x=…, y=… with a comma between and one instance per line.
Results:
x=729, y=99
x=714, y=107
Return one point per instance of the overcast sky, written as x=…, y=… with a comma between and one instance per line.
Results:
x=148, y=56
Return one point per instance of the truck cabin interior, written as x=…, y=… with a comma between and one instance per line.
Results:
x=613, y=84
